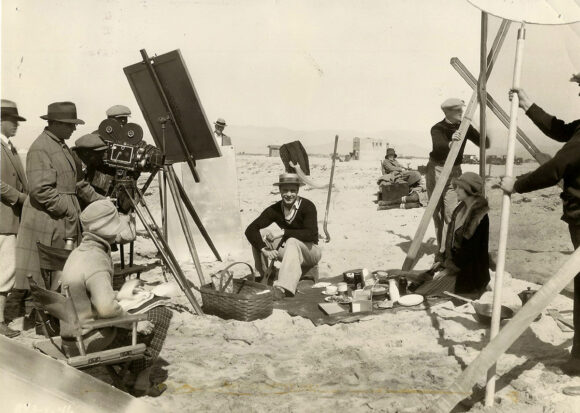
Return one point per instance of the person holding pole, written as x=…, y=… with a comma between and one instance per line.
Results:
x=443, y=134
x=565, y=165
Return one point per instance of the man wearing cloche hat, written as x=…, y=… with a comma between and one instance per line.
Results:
x=299, y=244
x=443, y=134
x=13, y=190
x=51, y=212
x=565, y=165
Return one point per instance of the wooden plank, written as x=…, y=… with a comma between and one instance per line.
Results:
x=482, y=88
x=413, y=251
x=508, y=335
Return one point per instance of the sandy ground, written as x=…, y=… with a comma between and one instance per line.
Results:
x=387, y=362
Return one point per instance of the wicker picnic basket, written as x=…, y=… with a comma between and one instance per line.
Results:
x=249, y=301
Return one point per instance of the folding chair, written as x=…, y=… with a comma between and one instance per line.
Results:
x=62, y=307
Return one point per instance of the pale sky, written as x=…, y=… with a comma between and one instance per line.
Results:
x=364, y=65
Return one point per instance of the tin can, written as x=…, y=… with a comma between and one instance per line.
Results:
x=402, y=285
x=359, y=282
x=69, y=244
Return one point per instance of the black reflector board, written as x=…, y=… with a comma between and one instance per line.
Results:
x=183, y=102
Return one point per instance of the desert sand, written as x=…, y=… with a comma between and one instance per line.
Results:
x=389, y=361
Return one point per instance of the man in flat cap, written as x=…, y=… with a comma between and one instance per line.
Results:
x=13, y=192
x=220, y=125
x=90, y=149
x=51, y=212
x=565, y=166
x=298, y=246
x=119, y=112
x=443, y=134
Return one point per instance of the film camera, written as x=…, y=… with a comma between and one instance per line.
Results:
x=126, y=156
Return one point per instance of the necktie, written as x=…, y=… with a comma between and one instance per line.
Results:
x=12, y=148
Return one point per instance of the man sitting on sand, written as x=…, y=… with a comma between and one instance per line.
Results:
x=88, y=273
x=299, y=244
x=391, y=166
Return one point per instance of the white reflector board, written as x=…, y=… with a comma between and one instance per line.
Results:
x=532, y=11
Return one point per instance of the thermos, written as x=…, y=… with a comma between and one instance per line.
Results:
x=393, y=290
x=402, y=285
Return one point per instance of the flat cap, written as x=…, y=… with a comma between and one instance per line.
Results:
x=91, y=141
x=452, y=103
x=118, y=110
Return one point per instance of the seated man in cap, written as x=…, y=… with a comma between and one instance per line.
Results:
x=390, y=165
x=220, y=125
x=88, y=273
x=465, y=267
x=443, y=134
x=299, y=244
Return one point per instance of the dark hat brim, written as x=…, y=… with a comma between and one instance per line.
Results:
x=288, y=183
x=75, y=121
x=14, y=117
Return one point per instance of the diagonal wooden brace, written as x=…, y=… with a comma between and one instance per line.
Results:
x=413, y=251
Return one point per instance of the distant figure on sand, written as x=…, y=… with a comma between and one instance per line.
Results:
x=565, y=165
x=298, y=246
x=465, y=267
x=391, y=166
x=443, y=134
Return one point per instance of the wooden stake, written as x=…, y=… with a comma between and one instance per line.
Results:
x=411, y=258
x=505, y=211
x=483, y=96
x=507, y=336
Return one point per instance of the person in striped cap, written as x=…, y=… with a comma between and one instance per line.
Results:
x=13, y=192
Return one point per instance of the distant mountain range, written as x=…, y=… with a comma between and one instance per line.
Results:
x=253, y=139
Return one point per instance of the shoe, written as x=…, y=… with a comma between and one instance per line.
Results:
x=155, y=390
x=571, y=367
x=7, y=331
x=278, y=293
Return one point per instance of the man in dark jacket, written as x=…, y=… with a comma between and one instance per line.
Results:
x=565, y=165
x=443, y=134
x=13, y=191
x=298, y=246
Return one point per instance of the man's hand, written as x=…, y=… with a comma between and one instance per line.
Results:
x=270, y=254
x=524, y=100
x=507, y=184
x=145, y=327
x=455, y=137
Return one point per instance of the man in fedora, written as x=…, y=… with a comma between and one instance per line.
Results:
x=220, y=124
x=298, y=247
x=565, y=166
x=443, y=134
x=390, y=165
x=13, y=191
x=51, y=212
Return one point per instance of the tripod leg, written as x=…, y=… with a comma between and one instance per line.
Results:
x=122, y=253
x=171, y=179
x=131, y=251
x=149, y=180
x=166, y=253
x=191, y=210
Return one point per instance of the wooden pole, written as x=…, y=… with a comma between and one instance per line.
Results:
x=413, y=251
x=505, y=211
x=483, y=96
x=507, y=336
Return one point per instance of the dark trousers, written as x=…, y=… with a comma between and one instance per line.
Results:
x=575, y=235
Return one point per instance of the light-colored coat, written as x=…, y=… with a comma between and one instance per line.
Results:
x=51, y=212
x=13, y=190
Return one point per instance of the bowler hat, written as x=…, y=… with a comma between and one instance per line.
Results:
x=118, y=110
x=220, y=122
x=65, y=112
x=102, y=219
x=452, y=103
x=10, y=111
x=288, y=179
x=391, y=151
x=471, y=183
x=91, y=141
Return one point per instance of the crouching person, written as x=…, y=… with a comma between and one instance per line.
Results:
x=88, y=273
x=298, y=246
x=466, y=265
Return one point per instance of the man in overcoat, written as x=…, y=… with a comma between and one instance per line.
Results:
x=51, y=212
x=13, y=190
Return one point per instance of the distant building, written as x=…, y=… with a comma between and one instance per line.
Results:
x=273, y=150
x=369, y=149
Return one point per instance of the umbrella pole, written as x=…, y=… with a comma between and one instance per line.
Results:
x=483, y=95
x=505, y=212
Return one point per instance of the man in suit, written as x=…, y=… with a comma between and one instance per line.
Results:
x=220, y=125
x=13, y=190
x=51, y=211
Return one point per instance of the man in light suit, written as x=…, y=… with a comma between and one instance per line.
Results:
x=13, y=190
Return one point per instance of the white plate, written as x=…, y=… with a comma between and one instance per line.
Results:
x=325, y=293
x=410, y=300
